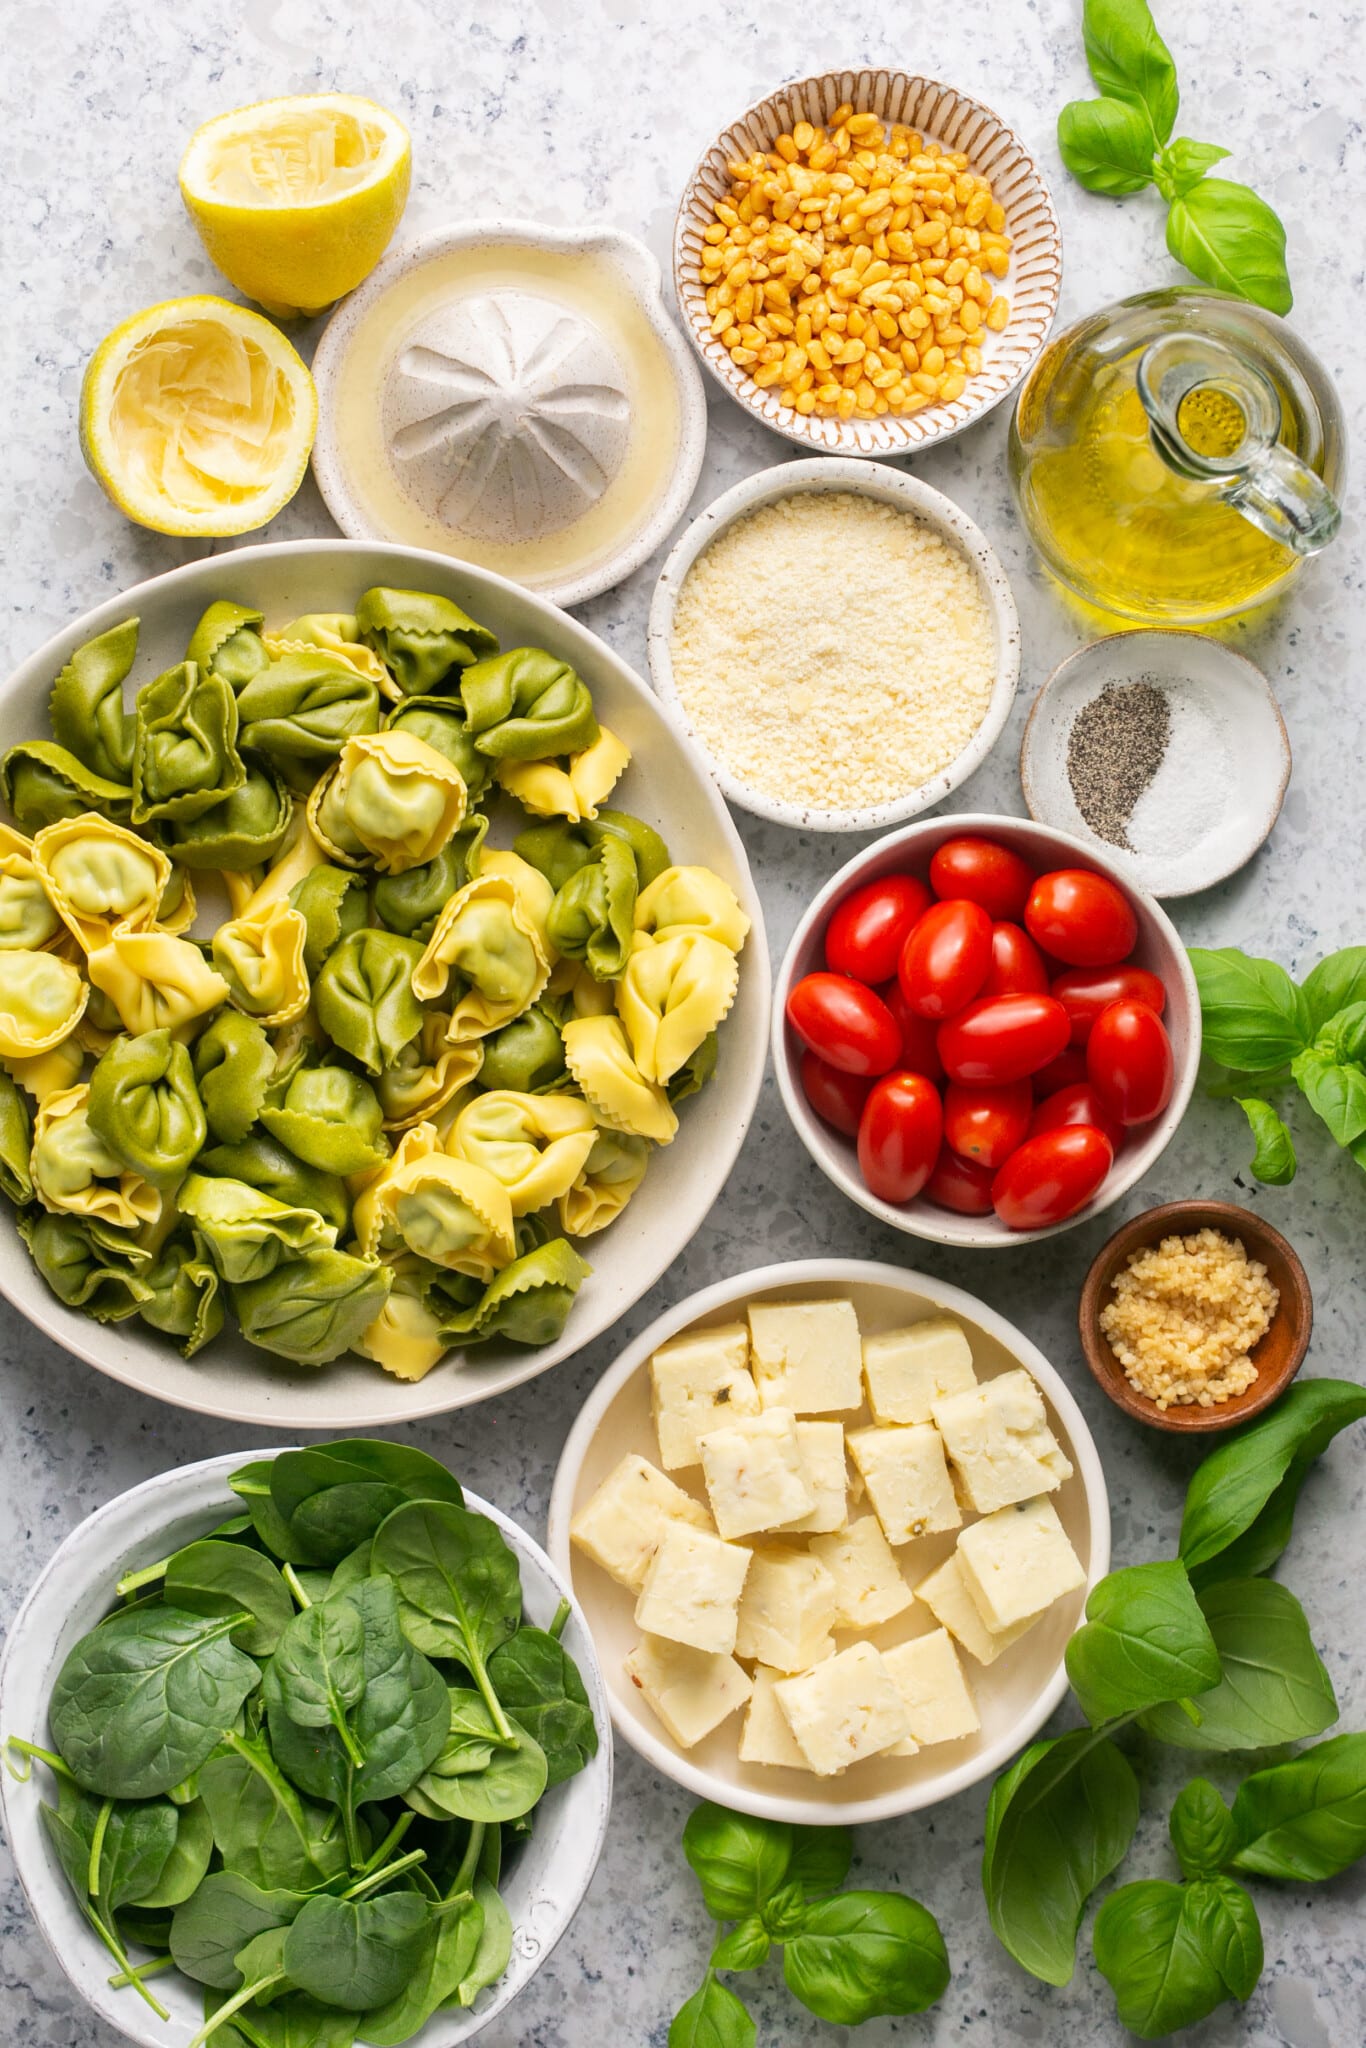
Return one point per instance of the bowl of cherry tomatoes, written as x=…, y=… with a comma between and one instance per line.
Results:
x=984, y=1034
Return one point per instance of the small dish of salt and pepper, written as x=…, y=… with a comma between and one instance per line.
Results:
x=1166, y=748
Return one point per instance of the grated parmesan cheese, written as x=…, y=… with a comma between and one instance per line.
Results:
x=833, y=651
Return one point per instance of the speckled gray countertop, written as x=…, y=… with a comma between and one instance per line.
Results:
x=573, y=110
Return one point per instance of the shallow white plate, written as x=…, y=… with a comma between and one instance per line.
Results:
x=664, y=784
x=1219, y=788
x=1015, y=1695
x=545, y=1887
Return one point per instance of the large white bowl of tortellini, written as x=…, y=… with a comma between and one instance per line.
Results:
x=383, y=990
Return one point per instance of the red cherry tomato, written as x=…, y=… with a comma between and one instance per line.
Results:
x=1081, y=1103
x=1085, y=991
x=986, y=1124
x=866, y=933
x=945, y=960
x=1068, y=1068
x=1081, y=917
x=1129, y=1059
x=1050, y=1177
x=984, y=873
x=919, y=1047
x=1017, y=966
x=837, y=1098
x=849, y=1026
x=899, y=1135
x=1002, y=1039
x=960, y=1184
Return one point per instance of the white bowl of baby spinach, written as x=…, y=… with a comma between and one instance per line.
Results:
x=378, y=1900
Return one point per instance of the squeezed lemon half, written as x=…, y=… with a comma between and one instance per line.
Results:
x=296, y=198
x=197, y=417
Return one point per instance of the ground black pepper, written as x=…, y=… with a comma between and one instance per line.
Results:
x=1114, y=748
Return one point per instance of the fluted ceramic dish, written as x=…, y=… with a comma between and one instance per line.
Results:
x=545, y=1886
x=664, y=784
x=942, y=115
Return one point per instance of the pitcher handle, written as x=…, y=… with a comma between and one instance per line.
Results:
x=1282, y=496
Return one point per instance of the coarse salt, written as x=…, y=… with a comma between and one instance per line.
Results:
x=832, y=651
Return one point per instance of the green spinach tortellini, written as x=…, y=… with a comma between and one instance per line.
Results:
x=328, y=1117
x=185, y=757
x=299, y=712
x=248, y=1232
x=363, y=996
x=234, y=1064
x=559, y=851
x=42, y=782
x=88, y=1266
x=591, y=918
x=263, y=1162
x=247, y=827
x=424, y=640
x=528, y=1302
x=526, y=705
x=16, y=1142
x=411, y=903
x=145, y=1107
x=87, y=710
x=527, y=1055
x=427, y=1076
x=183, y=1296
x=228, y=640
x=311, y=1309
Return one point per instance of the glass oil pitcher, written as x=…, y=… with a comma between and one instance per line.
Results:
x=1176, y=456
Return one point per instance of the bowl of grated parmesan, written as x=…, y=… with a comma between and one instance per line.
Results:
x=838, y=641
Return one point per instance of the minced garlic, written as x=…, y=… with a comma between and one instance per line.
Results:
x=832, y=651
x=1185, y=1316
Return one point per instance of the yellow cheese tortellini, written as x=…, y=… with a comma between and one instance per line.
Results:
x=28, y=919
x=42, y=998
x=75, y=1173
x=393, y=800
x=100, y=876
x=692, y=899
x=536, y=1145
x=674, y=993
x=448, y=1210
x=405, y=1337
x=427, y=1074
x=260, y=956
x=574, y=792
x=47, y=1073
x=597, y=1054
x=487, y=951
x=155, y=981
x=612, y=1172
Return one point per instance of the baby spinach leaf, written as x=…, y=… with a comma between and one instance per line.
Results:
x=251, y=1484
x=1107, y=145
x=225, y=1578
x=143, y=1699
x=1202, y=1830
x=1247, y=1487
x=262, y=1961
x=1304, y=1819
x=1274, y=1161
x=862, y=1954
x=334, y=1496
x=189, y=1858
x=1274, y=1687
x=137, y=1844
x=536, y=1679
x=459, y=1589
x=494, y=1952
x=292, y=2021
x=448, y=1950
x=712, y=2018
x=820, y=1860
x=353, y=1569
x=1228, y=236
x=1144, y=1641
x=318, y=1670
x=1335, y=984
x=1058, y=1822
x=1129, y=60
x=738, y=1859
x=744, y=1948
x=1184, y=163
x=1254, y=1018
x=356, y=1953
x=264, y=1831
x=1172, y=1953
x=507, y=1785
x=220, y=1919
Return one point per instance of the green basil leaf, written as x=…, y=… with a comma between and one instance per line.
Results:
x=1202, y=1830
x=1274, y=1686
x=1259, y=1470
x=1129, y=60
x=1183, y=163
x=863, y=1954
x=1227, y=236
x=820, y=1860
x=1336, y=1093
x=744, y=1948
x=1172, y=1953
x=356, y=1953
x=1107, y=145
x=226, y=1578
x=1144, y=1641
x=1306, y=1819
x=1338, y=981
x=712, y=2018
x=1343, y=1035
x=1274, y=1160
x=1254, y=1017
x=738, y=1860
x=1058, y=1822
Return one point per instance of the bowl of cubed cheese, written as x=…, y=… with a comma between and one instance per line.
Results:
x=832, y=1524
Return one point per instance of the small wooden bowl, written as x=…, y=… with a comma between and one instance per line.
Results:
x=1279, y=1355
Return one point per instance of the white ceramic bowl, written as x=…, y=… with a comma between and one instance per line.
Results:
x=1159, y=947
x=942, y=115
x=664, y=784
x=888, y=486
x=1015, y=1695
x=545, y=1887
x=625, y=260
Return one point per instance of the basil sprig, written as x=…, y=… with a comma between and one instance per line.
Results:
x=1122, y=142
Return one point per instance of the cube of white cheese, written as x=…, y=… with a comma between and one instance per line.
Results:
x=805, y=1355
x=620, y=1527
x=699, y=1381
x=951, y=1604
x=692, y=1589
x=787, y=1610
x=869, y=1587
x=822, y=1448
x=847, y=1708
x=927, y=1674
x=907, y=1371
x=998, y=1437
x=689, y=1690
x=1017, y=1562
x=754, y=1473
x=765, y=1737
x=907, y=1479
